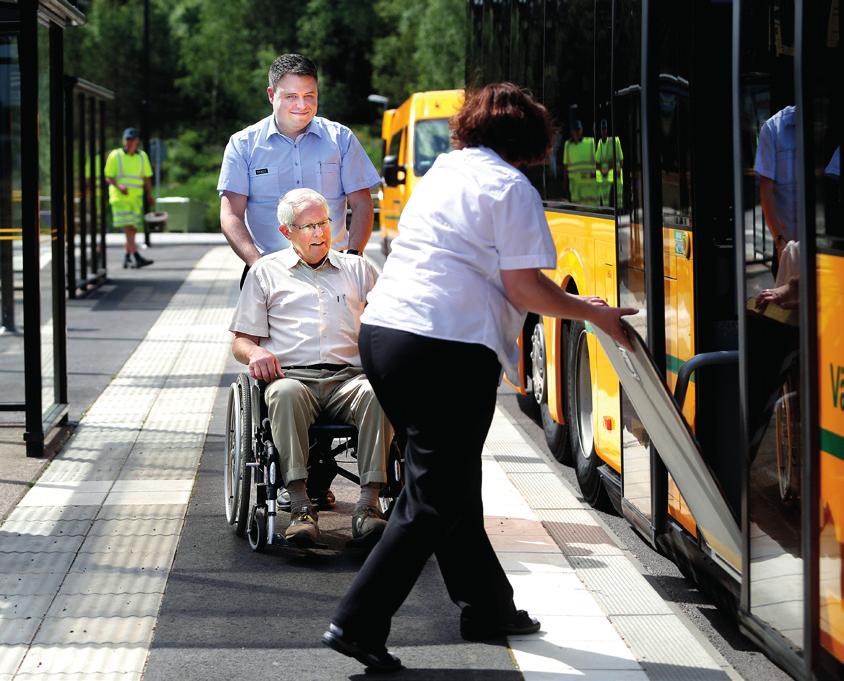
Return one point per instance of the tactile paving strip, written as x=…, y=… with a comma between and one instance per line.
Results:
x=84, y=558
x=661, y=643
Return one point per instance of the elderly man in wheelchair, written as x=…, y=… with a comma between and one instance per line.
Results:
x=296, y=326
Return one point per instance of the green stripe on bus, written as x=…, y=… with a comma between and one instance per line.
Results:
x=832, y=443
x=673, y=365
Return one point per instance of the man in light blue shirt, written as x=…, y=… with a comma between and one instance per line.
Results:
x=776, y=158
x=290, y=149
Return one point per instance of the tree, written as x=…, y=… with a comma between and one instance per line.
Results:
x=108, y=50
x=440, y=55
x=422, y=47
x=338, y=34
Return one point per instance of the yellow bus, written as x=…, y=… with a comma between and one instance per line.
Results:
x=413, y=135
x=692, y=136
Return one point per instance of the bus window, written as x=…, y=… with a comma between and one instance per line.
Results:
x=496, y=28
x=526, y=64
x=431, y=138
x=771, y=344
x=475, y=44
x=569, y=96
x=608, y=149
x=394, y=147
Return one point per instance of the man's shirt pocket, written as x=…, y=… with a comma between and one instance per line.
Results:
x=264, y=184
x=329, y=177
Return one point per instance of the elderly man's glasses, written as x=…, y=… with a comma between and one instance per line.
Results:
x=312, y=226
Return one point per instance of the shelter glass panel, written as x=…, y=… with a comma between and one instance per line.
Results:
x=11, y=261
x=46, y=233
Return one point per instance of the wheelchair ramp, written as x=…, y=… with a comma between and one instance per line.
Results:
x=675, y=443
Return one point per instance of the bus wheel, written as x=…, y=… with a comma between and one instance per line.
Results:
x=556, y=435
x=580, y=418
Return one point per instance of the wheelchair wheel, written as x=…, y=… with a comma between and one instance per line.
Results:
x=238, y=454
x=257, y=534
x=395, y=478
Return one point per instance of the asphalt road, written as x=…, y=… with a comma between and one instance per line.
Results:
x=229, y=614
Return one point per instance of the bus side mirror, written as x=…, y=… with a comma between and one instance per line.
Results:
x=393, y=173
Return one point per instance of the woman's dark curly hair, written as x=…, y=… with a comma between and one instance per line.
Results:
x=505, y=118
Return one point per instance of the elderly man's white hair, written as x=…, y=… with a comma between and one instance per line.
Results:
x=295, y=201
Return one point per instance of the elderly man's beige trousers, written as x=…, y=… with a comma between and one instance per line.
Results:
x=344, y=396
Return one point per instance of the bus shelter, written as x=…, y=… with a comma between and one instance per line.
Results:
x=32, y=217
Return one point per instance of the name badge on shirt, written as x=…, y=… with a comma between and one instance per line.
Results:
x=262, y=171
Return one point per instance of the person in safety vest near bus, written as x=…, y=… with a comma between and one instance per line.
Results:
x=128, y=172
x=608, y=157
x=579, y=164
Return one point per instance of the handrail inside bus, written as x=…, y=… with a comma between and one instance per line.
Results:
x=704, y=359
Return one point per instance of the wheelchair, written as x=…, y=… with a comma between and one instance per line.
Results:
x=252, y=481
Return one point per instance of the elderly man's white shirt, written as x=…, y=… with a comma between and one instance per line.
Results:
x=306, y=316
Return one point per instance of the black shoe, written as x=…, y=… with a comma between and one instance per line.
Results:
x=477, y=628
x=321, y=500
x=379, y=660
x=128, y=263
x=141, y=261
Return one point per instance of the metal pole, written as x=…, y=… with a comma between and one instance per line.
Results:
x=93, y=184
x=70, y=190
x=145, y=105
x=83, y=193
x=103, y=190
x=58, y=202
x=34, y=433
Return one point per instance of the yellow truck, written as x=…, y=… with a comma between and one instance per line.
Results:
x=423, y=119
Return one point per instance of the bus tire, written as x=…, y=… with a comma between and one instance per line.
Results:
x=556, y=434
x=579, y=410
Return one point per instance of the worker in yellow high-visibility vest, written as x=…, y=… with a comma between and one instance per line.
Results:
x=579, y=165
x=609, y=158
x=128, y=173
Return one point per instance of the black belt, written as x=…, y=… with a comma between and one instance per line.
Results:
x=321, y=367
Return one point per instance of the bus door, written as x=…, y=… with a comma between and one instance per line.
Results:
x=675, y=240
x=771, y=343
x=792, y=344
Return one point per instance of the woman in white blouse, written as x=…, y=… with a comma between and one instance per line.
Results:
x=439, y=326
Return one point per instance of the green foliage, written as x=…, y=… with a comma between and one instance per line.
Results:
x=338, y=34
x=421, y=47
x=440, y=56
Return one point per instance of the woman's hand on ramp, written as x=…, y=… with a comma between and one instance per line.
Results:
x=608, y=319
